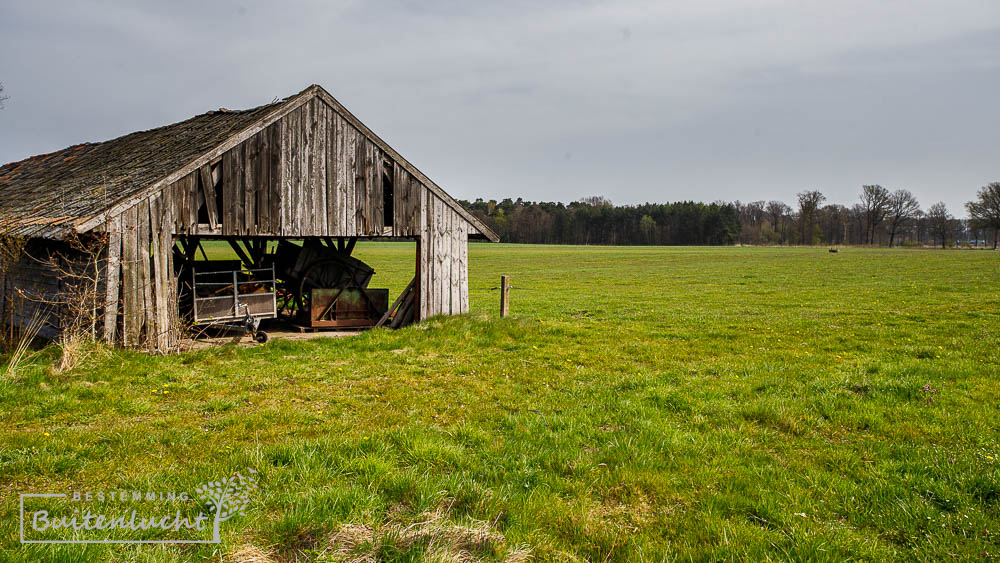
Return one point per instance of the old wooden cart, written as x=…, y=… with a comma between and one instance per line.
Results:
x=226, y=296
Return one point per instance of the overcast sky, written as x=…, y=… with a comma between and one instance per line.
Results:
x=636, y=101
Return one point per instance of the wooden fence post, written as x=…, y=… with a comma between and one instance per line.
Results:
x=504, y=296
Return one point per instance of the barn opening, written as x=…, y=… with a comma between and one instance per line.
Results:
x=285, y=284
x=251, y=215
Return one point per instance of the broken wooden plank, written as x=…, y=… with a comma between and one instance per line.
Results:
x=208, y=189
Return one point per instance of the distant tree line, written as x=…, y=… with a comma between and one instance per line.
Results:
x=594, y=220
x=880, y=218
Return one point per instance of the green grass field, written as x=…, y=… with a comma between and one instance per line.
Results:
x=639, y=404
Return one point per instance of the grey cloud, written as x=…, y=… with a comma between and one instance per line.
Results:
x=650, y=100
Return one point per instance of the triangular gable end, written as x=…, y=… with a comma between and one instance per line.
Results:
x=256, y=128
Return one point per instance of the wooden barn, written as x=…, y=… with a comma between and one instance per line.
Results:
x=289, y=187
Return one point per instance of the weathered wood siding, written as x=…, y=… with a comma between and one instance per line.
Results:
x=311, y=173
x=443, y=269
x=30, y=288
x=140, y=301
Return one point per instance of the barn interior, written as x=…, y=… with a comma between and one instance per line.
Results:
x=277, y=284
x=261, y=286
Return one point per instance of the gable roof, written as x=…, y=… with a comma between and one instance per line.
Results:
x=74, y=189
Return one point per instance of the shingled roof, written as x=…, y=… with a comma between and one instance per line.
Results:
x=45, y=195
x=51, y=195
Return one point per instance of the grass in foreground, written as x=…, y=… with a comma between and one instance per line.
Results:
x=641, y=403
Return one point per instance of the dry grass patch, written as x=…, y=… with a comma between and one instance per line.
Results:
x=433, y=536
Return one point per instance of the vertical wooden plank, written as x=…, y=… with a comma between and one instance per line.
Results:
x=332, y=204
x=400, y=201
x=305, y=176
x=193, y=200
x=164, y=277
x=350, y=175
x=167, y=258
x=314, y=211
x=305, y=154
x=262, y=184
x=175, y=204
x=441, y=254
x=434, y=304
x=321, y=211
x=295, y=156
x=380, y=191
x=361, y=185
x=142, y=259
x=453, y=260
x=463, y=271
x=415, y=188
x=239, y=189
x=152, y=311
x=274, y=191
x=425, y=243
x=159, y=277
x=368, y=219
x=343, y=171
x=251, y=151
x=228, y=189
x=112, y=275
x=374, y=185
x=130, y=307
x=286, y=175
x=183, y=206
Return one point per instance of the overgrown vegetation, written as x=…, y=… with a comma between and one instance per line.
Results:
x=640, y=404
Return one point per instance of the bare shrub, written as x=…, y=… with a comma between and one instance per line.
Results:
x=22, y=345
x=78, y=303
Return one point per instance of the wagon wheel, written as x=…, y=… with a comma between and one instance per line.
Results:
x=320, y=274
x=285, y=300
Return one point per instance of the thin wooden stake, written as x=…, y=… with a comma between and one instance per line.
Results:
x=504, y=296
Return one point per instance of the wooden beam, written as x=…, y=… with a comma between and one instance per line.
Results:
x=208, y=188
x=239, y=252
x=388, y=312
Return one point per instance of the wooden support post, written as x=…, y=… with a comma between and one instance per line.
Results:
x=504, y=296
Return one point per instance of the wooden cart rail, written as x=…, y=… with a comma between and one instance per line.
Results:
x=218, y=297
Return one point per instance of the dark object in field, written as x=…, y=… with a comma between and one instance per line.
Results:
x=834, y=250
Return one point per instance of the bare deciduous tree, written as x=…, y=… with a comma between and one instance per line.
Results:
x=985, y=211
x=3, y=97
x=875, y=200
x=776, y=212
x=903, y=208
x=940, y=221
x=808, y=204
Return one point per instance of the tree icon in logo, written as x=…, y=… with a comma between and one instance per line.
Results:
x=227, y=497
